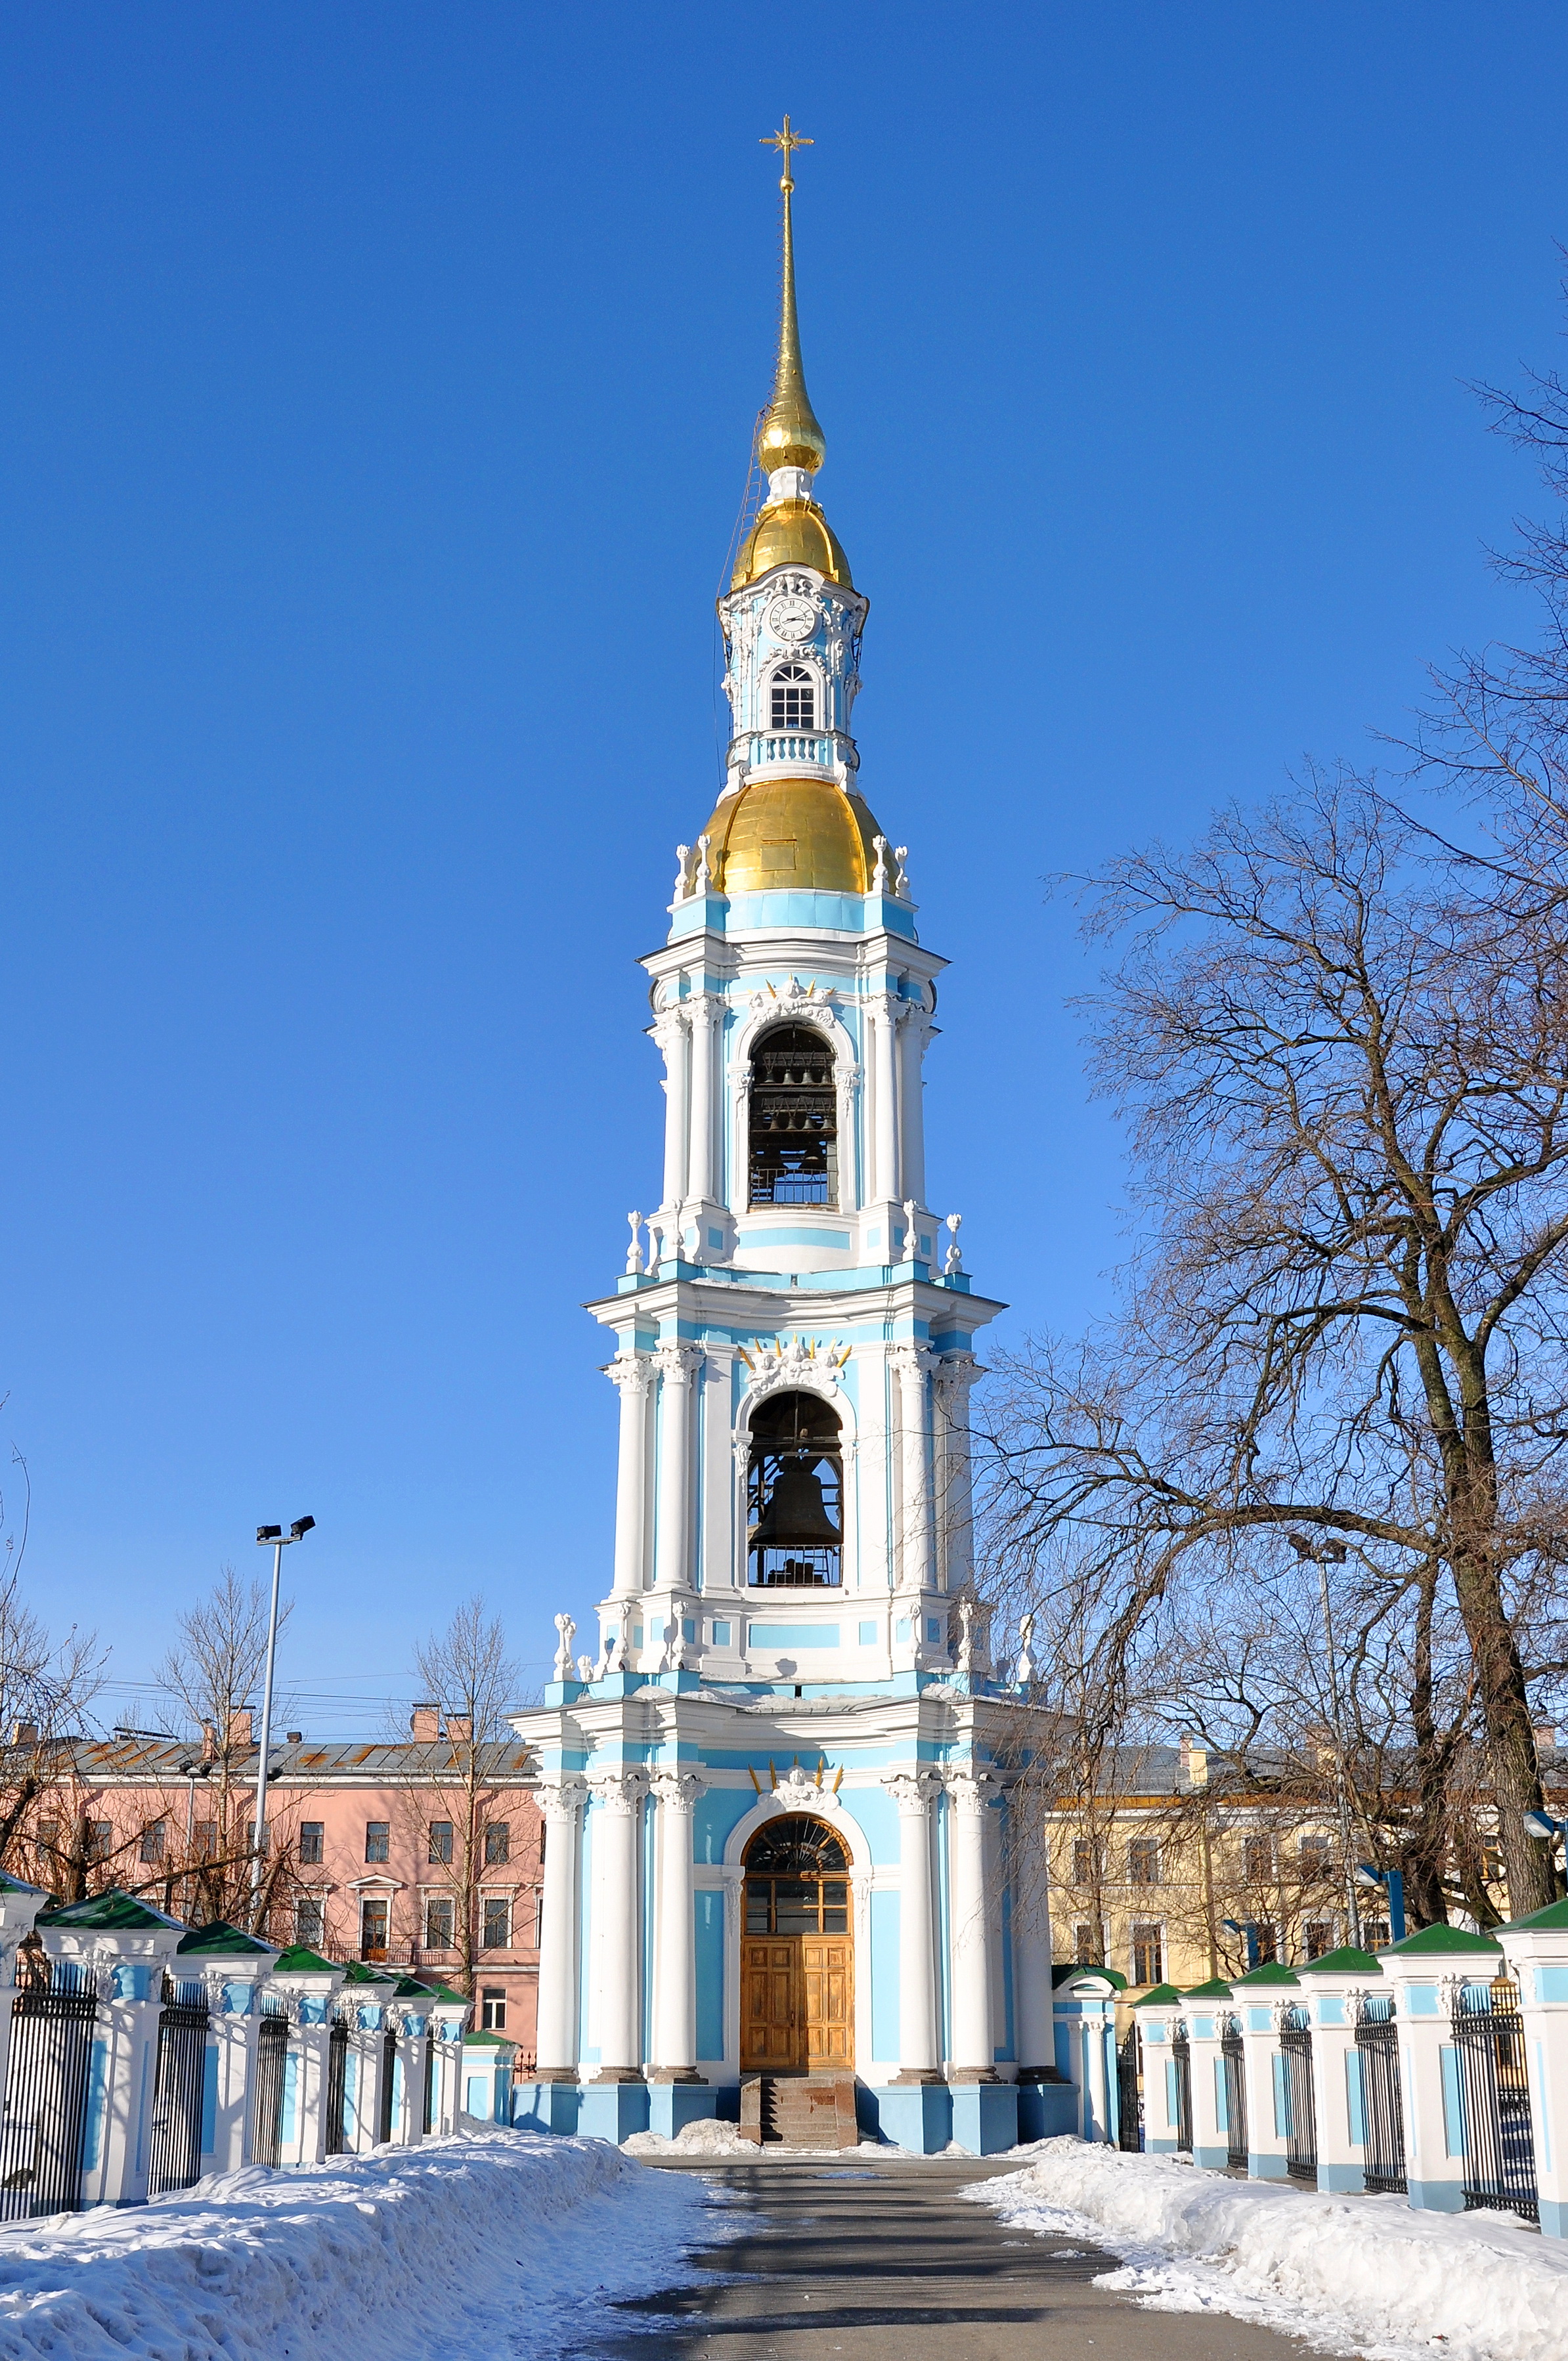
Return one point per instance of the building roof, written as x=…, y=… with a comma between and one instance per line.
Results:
x=113, y=1912
x=102, y=1761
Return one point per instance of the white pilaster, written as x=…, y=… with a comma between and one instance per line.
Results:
x=913, y=1566
x=678, y=1365
x=633, y=1375
x=699, y=1182
x=951, y=1378
x=714, y=1398
x=675, y=1965
x=912, y=1035
x=560, y=1803
x=617, y=1967
x=675, y=1040
x=974, y=2040
x=912, y=1793
x=887, y=1188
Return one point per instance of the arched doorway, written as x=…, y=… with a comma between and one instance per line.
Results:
x=797, y=1951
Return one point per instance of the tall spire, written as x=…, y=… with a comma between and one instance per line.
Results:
x=790, y=435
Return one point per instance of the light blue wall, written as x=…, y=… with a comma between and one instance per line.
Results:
x=717, y=1814
x=885, y=1976
x=709, y=1909
x=874, y=1813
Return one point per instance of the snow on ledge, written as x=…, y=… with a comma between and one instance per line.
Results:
x=492, y=2242
x=1351, y=2274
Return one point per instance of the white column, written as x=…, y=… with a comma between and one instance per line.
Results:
x=716, y=1432
x=615, y=1946
x=678, y=1365
x=912, y=1793
x=886, y=1184
x=560, y=1803
x=234, y=2022
x=700, y=1175
x=633, y=1375
x=674, y=1039
x=913, y=1531
x=1536, y=1949
x=974, y=2040
x=675, y=1963
x=912, y=1036
x=951, y=1382
x=1032, y=2015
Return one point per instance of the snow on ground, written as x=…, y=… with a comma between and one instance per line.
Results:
x=1362, y=2275
x=494, y=2245
x=707, y=2136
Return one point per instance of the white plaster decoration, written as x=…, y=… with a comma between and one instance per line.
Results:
x=879, y=874
x=914, y=1551
x=787, y=1363
x=911, y=1230
x=635, y=1251
x=953, y=1260
x=678, y=1364
x=912, y=1793
x=965, y=1635
x=703, y=882
x=618, y=1982
x=972, y=2038
x=675, y=1964
x=901, y=881
x=633, y=1375
x=584, y=1668
x=951, y=1380
x=683, y=871
x=565, y=1632
x=615, y=1651
x=673, y=1037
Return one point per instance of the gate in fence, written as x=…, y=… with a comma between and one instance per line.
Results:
x=1181, y=2055
x=175, y=2155
x=1383, y=2114
x=337, y=2087
x=1130, y=2091
x=1301, y=2106
x=271, y=2056
x=1499, y=2149
x=388, y=2068
x=44, y=2123
x=432, y=2063
x=1230, y=2056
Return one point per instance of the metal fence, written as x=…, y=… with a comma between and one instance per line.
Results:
x=337, y=2088
x=1499, y=2148
x=1232, y=2057
x=271, y=2056
x=388, y=2068
x=432, y=2064
x=1382, y=2108
x=179, y=2088
x=1129, y=2091
x=1181, y=2055
x=44, y=2123
x=1300, y=2105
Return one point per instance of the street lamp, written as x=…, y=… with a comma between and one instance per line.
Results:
x=1390, y=1882
x=1541, y=1824
x=1323, y=1554
x=1247, y=1929
x=278, y=1540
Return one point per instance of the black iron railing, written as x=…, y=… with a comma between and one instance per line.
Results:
x=337, y=2087
x=1499, y=2146
x=1381, y=2107
x=1300, y=2102
x=266, y=2119
x=388, y=2071
x=1232, y=2058
x=174, y=2158
x=1130, y=2091
x=45, y=2120
x=1181, y=2052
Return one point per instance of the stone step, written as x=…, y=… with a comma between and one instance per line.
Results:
x=799, y=2110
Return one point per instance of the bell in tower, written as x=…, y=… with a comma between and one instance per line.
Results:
x=793, y=1534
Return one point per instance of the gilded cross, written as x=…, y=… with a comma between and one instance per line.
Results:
x=785, y=142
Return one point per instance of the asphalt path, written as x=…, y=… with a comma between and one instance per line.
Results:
x=886, y=2261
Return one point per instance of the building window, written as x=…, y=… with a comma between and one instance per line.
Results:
x=1082, y=1860
x=440, y=1840
x=48, y=1836
x=1375, y=1934
x=1319, y=1937
x=311, y=1834
x=1257, y=1860
x=440, y=1918
x=98, y=1837
x=1085, y=1949
x=794, y=1490
x=1142, y=1863
x=539, y=1922
x=1317, y=1856
x=498, y=1844
x=250, y=1837
x=792, y=1131
x=1265, y=1942
x=309, y=1923
x=497, y=1936
x=153, y=1838
x=206, y=1835
x=793, y=699
x=492, y=2008
x=373, y=1915
x=377, y=1840
x=1147, y=1968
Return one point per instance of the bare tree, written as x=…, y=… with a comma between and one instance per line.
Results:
x=47, y=1690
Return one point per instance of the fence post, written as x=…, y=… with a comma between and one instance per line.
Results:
x=1155, y=2015
x=231, y=1964
x=1083, y=2004
x=1415, y=1971
x=1536, y=1949
x=487, y=2077
x=370, y=1994
x=19, y=1907
x=449, y=2014
x=1257, y=1995
x=1206, y=2009
x=127, y=1944
x=1328, y=1987
x=413, y=2058
x=311, y=1983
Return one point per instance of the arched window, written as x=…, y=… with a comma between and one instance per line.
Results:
x=794, y=698
x=797, y=1878
x=795, y=1495
x=795, y=1120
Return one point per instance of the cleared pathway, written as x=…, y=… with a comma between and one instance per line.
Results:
x=885, y=2261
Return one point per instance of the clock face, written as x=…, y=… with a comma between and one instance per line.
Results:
x=791, y=618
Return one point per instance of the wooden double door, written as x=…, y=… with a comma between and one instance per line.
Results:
x=797, y=2002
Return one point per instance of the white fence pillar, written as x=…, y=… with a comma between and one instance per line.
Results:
x=449, y=2017
x=1418, y=1973
x=311, y=1984
x=1258, y=1996
x=1330, y=1990
x=1084, y=2057
x=1208, y=2011
x=1156, y=2018
x=1536, y=1949
x=126, y=1945
x=19, y=1907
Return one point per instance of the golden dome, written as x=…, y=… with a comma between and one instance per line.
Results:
x=791, y=533
x=809, y=833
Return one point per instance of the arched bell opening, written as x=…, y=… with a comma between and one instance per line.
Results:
x=792, y=1136
x=795, y=1494
x=798, y=1949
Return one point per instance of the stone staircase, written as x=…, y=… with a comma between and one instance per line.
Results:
x=814, y=2111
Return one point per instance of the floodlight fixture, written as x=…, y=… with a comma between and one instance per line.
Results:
x=268, y=1533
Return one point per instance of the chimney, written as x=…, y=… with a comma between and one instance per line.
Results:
x=1546, y=1738
x=239, y=1730
x=460, y=1726
x=1194, y=1762
x=24, y=1733
x=425, y=1722
x=209, y=1742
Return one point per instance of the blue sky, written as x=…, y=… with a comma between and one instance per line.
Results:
x=377, y=409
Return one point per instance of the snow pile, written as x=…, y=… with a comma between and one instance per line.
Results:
x=707, y=2137
x=1354, y=2274
x=486, y=2244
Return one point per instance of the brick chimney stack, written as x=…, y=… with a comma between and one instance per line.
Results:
x=425, y=1724
x=240, y=1733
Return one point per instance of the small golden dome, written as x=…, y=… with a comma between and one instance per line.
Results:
x=807, y=833
x=791, y=533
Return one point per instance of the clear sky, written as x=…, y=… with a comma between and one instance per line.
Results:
x=378, y=388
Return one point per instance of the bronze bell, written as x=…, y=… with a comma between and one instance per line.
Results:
x=796, y=1512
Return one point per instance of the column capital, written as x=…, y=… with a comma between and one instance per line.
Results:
x=970, y=1791
x=632, y=1373
x=953, y=1373
x=911, y=1790
x=912, y=1360
x=620, y=1791
x=679, y=1363
x=678, y=1791
x=560, y=1800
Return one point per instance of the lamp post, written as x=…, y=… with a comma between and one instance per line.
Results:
x=279, y=1541
x=1323, y=1554
x=1541, y=1824
x=1390, y=1882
